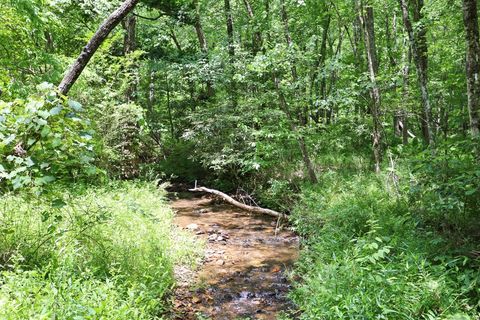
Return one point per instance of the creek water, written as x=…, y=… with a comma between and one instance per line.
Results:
x=244, y=272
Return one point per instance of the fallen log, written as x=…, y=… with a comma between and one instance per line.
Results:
x=239, y=204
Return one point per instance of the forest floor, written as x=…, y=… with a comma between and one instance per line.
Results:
x=245, y=266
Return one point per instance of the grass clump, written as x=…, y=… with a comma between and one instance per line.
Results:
x=89, y=253
x=369, y=255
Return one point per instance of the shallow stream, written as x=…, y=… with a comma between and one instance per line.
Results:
x=243, y=275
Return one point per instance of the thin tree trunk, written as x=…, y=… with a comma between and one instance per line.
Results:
x=129, y=45
x=418, y=43
x=229, y=18
x=405, y=93
x=202, y=40
x=323, y=56
x=302, y=113
x=199, y=30
x=151, y=91
x=231, y=52
x=470, y=19
x=130, y=39
x=300, y=139
x=257, y=35
x=89, y=50
x=269, y=22
x=169, y=108
x=369, y=38
x=49, y=44
x=358, y=36
x=151, y=112
x=175, y=40
x=389, y=40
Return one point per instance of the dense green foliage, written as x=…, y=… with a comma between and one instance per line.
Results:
x=376, y=258
x=103, y=253
x=296, y=102
x=43, y=138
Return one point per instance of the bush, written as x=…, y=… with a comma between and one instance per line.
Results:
x=125, y=139
x=42, y=139
x=446, y=188
x=93, y=253
x=367, y=256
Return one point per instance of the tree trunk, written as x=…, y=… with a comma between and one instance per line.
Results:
x=231, y=52
x=406, y=57
x=470, y=19
x=358, y=36
x=89, y=50
x=301, y=140
x=202, y=40
x=229, y=18
x=129, y=40
x=369, y=39
x=169, y=108
x=199, y=30
x=175, y=40
x=129, y=45
x=49, y=45
x=154, y=133
x=418, y=44
x=257, y=36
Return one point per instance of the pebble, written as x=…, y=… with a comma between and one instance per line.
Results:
x=193, y=227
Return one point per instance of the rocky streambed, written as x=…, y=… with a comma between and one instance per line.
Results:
x=247, y=258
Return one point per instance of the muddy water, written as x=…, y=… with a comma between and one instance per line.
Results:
x=244, y=270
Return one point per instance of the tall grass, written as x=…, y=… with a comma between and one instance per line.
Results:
x=89, y=253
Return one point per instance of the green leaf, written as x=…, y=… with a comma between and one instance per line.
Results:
x=74, y=105
x=56, y=142
x=56, y=110
x=45, y=86
x=41, y=122
x=45, y=131
x=44, y=114
x=9, y=139
x=58, y=203
x=470, y=192
x=29, y=162
x=44, y=180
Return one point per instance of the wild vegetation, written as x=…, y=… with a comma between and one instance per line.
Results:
x=359, y=119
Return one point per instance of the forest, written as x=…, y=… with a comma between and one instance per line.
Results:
x=354, y=123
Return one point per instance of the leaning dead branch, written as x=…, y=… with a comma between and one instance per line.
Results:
x=239, y=204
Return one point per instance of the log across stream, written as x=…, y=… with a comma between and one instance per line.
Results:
x=243, y=275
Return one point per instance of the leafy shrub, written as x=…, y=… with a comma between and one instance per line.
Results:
x=94, y=253
x=124, y=134
x=446, y=187
x=42, y=139
x=367, y=256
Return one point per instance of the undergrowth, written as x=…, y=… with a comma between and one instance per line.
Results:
x=369, y=254
x=89, y=253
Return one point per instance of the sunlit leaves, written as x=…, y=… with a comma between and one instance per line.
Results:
x=43, y=138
